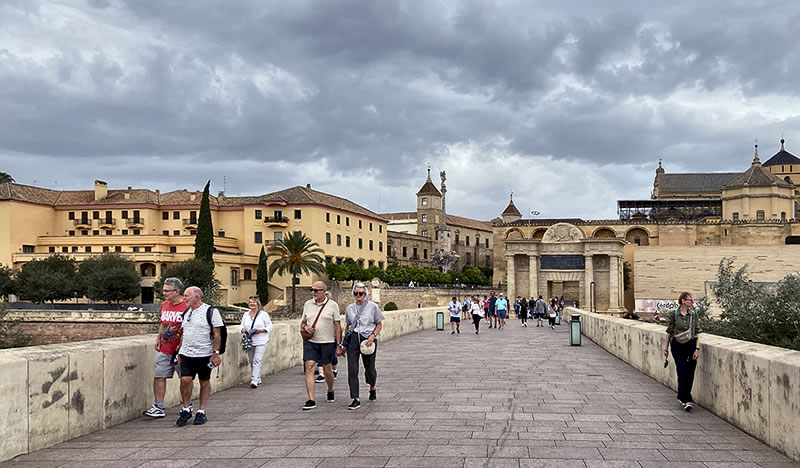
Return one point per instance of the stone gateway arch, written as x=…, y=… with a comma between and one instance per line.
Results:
x=565, y=262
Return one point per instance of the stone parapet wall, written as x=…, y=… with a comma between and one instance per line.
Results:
x=58, y=392
x=753, y=386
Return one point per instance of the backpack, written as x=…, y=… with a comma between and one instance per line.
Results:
x=465, y=307
x=223, y=330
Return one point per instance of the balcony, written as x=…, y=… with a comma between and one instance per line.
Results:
x=135, y=223
x=276, y=221
x=108, y=223
x=189, y=223
x=82, y=223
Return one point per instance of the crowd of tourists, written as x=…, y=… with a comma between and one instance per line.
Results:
x=192, y=336
x=494, y=310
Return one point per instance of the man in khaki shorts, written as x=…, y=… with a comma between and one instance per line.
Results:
x=322, y=346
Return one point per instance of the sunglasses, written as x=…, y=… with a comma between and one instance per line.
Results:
x=313, y=290
x=359, y=293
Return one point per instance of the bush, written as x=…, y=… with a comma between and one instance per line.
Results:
x=10, y=337
x=110, y=277
x=193, y=273
x=7, y=283
x=390, y=306
x=54, y=278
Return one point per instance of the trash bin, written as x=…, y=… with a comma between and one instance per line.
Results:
x=439, y=321
x=558, y=318
x=575, y=330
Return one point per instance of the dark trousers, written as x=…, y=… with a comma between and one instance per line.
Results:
x=353, y=352
x=523, y=315
x=552, y=321
x=685, y=366
x=476, y=319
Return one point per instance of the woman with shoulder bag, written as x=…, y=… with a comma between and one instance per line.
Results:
x=364, y=323
x=682, y=335
x=256, y=326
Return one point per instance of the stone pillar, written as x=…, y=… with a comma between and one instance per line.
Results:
x=613, y=287
x=588, y=277
x=510, y=280
x=533, y=275
x=621, y=261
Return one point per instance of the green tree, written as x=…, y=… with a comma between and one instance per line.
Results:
x=5, y=178
x=193, y=272
x=54, y=278
x=110, y=277
x=204, y=240
x=262, y=278
x=10, y=335
x=7, y=283
x=297, y=254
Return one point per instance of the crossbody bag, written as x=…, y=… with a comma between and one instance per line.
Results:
x=307, y=335
x=247, y=338
x=686, y=335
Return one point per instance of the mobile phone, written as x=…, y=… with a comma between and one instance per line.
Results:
x=210, y=365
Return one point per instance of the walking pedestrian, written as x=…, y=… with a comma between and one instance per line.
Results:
x=485, y=305
x=466, y=306
x=167, y=342
x=516, y=306
x=492, y=310
x=364, y=323
x=501, y=309
x=523, y=312
x=199, y=352
x=477, y=313
x=683, y=330
x=553, y=312
x=455, y=316
x=321, y=318
x=539, y=311
x=532, y=307
x=256, y=324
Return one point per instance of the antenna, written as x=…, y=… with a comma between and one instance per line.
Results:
x=224, y=183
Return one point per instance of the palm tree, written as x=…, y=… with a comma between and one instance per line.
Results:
x=297, y=254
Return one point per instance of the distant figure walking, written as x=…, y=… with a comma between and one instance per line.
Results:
x=553, y=312
x=455, y=316
x=539, y=311
x=501, y=307
x=523, y=312
x=492, y=310
x=683, y=329
x=477, y=313
x=256, y=324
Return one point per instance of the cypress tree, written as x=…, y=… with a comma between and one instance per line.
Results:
x=204, y=240
x=262, y=278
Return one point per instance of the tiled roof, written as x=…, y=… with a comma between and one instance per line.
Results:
x=757, y=176
x=459, y=221
x=401, y=216
x=511, y=209
x=429, y=189
x=694, y=182
x=28, y=193
x=540, y=221
x=782, y=157
x=306, y=195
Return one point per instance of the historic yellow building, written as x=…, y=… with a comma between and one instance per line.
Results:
x=156, y=229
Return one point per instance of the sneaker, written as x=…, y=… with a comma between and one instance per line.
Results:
x=373, y=395
x=452, y=333
x=155, y=412
x=458, y=330
x=253, y=384
x=354, y=405
x=184, y=417
x=688, y=406
x=320, y=378
x=335, y=374
x=310, y=404
x=330, y=398
x=200, y=418
x=476, y=332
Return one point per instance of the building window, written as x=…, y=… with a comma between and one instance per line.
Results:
x=95, y=215
x=136, y=232
x=29, y=249
x=109, y=217
x=456, y=238
x=488, y=261
x=74, y=249
x=468, y=258
x=124, y=214
x=405, y=251
x=735, y=216
x=234, y=277
x=109, y=232
x=370, y=244
x=259, y=214
x=106, y=249
x=425, y=232
x=380, y=265
x=466, y=239
x=389, y=250
x=359, y=224
x=248, y=274
x=221, y=234
x=708, y=241
x=258, y=237
x=338, y=239
x=424, y=201
x=176, y=232
x=124, y=232
x=783, y=216
x=760, y=215
x=64, y=249
x=338, y=219
x=165, y=215
x=96, y=232
x=338, y=260
x=71, y=215
x=298, y=214
x=347, y=241
x=277, y=237
x=414, y=253
x=118, y=249
x=371, y=263
x=360, y=243
x=176, y=215
x=165, y=233
x=328, y=259
x=425, y=254
x=380, y=228
x=84, y=232
x=487, y=243
x=327, y=217
x=87, y=249
x=192, y=232
x=346, y=220
x=192, y=217
x=637, y=241
x=327, y=237
x=173, y=249
x=370, y=226
x=424, y=218
x=380, y=246
x=51, y=250
x=136, y=249
x=361, y=263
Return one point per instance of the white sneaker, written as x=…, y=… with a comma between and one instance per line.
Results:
x=253, y=384
x=155, y=412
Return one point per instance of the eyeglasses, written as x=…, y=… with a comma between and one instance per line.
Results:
x=316, y=290
x=359, y=293
x=165, y=291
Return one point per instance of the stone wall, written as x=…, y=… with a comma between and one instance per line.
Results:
x=58, y=392
x=664, y=272
x=755, y=387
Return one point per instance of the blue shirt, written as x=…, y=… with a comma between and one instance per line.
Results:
x=455, y=308
x=501, y=304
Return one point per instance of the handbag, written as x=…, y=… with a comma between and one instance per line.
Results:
x=686, y=335
x=346, y=339
x=307, y=335
x=247, y=338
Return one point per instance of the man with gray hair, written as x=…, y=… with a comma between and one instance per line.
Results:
x=321, y=318
x=167, y=342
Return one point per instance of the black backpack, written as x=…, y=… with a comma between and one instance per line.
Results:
x=223, y=330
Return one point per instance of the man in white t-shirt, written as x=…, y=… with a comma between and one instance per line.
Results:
x=322, y=345
x=455, y=316
x=198, y=352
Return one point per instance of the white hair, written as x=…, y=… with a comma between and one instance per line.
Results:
x=361, y=286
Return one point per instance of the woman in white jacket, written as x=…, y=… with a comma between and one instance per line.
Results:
x=257, y=324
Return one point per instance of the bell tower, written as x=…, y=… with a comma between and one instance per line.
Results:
x=429, y=208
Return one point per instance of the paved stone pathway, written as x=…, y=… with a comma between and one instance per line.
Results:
x=519, y=397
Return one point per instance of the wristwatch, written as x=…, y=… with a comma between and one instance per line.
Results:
x=216, y=352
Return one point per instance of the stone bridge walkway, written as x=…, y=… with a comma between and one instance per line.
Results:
x=510, y=398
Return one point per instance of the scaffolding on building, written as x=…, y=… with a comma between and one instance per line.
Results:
x=669, y=210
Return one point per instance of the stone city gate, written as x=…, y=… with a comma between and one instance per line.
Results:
x=565, y=262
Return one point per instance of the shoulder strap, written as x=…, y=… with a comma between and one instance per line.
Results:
x=252, y=325
x=210, y=313
x=314, y=325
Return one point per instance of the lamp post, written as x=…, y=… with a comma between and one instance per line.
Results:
x=593, y=297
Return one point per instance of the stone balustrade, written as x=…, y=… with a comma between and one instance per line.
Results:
x=753, y=386
x=57, y=392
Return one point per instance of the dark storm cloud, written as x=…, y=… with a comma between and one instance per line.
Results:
x=262, y=87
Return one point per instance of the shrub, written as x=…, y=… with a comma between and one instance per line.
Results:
x=390, y=306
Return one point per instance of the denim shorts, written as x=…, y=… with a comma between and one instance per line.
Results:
x=322, y=353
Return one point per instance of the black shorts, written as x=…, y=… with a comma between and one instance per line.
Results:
x=455, y=319
x=191, y=366
x=322, y=353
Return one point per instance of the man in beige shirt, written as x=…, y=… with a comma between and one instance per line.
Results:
x=322, y=345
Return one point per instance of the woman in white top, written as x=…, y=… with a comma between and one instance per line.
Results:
x=477, y=313
x=257, y=323
x=553, y=311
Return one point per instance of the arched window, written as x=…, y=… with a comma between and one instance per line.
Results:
x=760, y=215
x=783, y=216
x=787, y=179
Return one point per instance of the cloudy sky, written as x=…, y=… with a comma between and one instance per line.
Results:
x=569, y=104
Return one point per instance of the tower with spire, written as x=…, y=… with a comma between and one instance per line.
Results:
x=511, y=213
x=429, y=208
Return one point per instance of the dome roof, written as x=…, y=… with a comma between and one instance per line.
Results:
x=782, y=157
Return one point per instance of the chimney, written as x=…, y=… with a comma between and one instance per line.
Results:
x=128, y=193
x=308, y=186
x=221, y=195
x=192, y=197
x=100, y=190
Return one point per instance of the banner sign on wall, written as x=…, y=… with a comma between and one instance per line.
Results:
x=656, y=305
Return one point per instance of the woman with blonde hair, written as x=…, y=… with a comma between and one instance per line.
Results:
x=256, y=325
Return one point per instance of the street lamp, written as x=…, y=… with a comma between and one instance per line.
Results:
x=592, y=297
